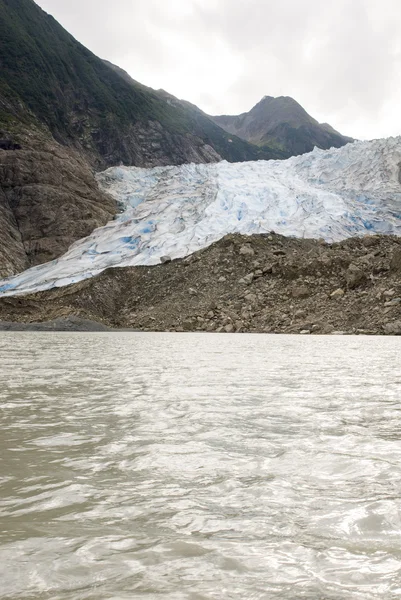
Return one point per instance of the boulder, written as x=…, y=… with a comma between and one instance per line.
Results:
x=188, y=325
x=246, y=250
x=370, y=240
x=392, y=328
x=395, y=264
x=354, y=277
x=393, y=302
x=300, y=291
x=267, y=269
x=247, y=280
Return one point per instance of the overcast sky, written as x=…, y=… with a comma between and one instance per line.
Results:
x=341, y=59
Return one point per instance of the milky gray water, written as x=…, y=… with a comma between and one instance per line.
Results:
x=185, y=466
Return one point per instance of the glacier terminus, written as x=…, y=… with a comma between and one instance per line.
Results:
x=175, y=210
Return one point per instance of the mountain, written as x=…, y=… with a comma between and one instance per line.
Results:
x=283, y=124
x=63, y=114
x=92, y=105
x=176, y=210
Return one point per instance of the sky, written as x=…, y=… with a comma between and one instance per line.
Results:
x=340, y=59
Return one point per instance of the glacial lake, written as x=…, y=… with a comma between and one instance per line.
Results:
x=199, y=467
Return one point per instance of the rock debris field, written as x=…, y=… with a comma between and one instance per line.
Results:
x=262, y=283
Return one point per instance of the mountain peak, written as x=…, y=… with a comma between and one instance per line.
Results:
x=283, y=123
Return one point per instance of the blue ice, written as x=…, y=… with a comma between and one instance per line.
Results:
x=180, y=209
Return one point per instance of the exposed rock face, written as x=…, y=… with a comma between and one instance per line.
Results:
x=150, y=145
x=282, y=123
x=395, y=264
x=393, y=328
x=13, y=257
x=48, y=199
x=286, y=285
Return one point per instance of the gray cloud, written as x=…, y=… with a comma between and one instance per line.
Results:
x=341, y=60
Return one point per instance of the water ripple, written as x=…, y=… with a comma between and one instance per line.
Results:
x=199, y=467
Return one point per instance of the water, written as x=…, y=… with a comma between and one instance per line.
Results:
x=185, y=466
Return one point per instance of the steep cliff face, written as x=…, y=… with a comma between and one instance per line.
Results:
x=12, y=253
x=48, y=199
x=283, y=124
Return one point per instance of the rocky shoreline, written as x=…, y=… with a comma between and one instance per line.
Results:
x=261, y=283
x=62, y=324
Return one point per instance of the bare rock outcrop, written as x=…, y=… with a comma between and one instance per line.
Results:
x=49, y=198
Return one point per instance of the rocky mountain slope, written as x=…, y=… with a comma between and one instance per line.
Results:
x=90, y=104
x=48, y=199
x=65, y=113
x=86, y=103
x=260, y=283
x=282, y=123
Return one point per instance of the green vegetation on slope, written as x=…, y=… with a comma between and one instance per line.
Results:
x=52, y=72
x=82, y=100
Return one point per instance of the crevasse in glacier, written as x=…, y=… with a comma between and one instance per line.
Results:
x=333, y=194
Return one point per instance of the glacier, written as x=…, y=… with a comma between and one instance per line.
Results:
x=332, y=194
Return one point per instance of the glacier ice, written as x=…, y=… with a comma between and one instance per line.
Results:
x=331, y=194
